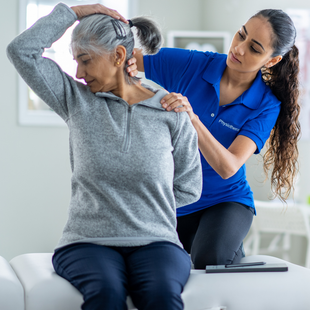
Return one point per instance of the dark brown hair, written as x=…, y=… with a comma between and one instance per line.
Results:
x=282, y=151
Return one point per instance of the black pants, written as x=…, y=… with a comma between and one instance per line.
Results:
x=213, y=236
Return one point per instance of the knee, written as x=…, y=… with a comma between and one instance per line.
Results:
x=218, y=255
x=104, y=296
x=164, y=300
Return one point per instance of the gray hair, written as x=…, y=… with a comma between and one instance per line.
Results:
x=101, y=34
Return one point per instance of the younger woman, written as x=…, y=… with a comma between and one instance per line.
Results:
x=236, y=102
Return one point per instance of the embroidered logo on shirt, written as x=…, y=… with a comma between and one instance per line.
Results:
x=228, y=125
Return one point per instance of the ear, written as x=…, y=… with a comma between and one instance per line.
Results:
x=273, y=61
x=120, y=55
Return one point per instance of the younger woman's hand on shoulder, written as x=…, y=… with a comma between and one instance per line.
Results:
x=178, y=103
x=89, y=9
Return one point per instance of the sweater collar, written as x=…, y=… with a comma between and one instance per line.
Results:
x=153, y=102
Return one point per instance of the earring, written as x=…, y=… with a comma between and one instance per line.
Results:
x=118, y=62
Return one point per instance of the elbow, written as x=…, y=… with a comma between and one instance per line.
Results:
x=12, y=51
x=227, y=173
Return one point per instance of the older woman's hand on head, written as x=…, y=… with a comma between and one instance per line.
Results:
x=89, y=9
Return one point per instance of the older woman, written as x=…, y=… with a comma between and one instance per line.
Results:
x=133, y=163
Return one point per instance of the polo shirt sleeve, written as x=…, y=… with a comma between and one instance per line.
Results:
x=167, y=67
x=258, y=129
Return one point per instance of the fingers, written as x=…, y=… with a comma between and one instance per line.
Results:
x=174, y=101
x=89, y=9
x=116, y=15
x=133, y=73
x=132, y=61
x=132, y=68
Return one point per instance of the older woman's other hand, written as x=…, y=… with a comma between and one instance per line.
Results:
x=89, y=9
x=178, y=103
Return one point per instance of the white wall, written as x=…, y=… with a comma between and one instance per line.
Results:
x=34, y=166
x=34, y=161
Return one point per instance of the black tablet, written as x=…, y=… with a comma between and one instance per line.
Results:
x=247, y=267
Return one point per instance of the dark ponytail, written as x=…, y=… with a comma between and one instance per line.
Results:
x=282, y=152
x=148, y=34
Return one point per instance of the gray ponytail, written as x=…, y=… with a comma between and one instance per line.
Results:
x=101, y=34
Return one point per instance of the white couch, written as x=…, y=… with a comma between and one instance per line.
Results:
x=45, y=290
x=11, y=290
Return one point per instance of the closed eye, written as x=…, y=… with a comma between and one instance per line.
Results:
x=254, y=50
x=240, y=35
x=243, y=37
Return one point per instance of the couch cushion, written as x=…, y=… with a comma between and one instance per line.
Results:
x=236, y=291
x=11, y=290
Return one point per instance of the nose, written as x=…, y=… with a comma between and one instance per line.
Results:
x=239, y=48
x=80, y=73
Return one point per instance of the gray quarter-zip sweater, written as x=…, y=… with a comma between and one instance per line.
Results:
x=132, y=166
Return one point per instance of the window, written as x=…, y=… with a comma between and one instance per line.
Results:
x=32, y=110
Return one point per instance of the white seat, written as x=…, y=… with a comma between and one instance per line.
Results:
x=283, y=221
x=45, y=290
x=11, y=290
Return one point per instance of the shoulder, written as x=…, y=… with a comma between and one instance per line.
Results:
x=184, y=122
x=259, y=96
x=269, y=98
x=180, y=53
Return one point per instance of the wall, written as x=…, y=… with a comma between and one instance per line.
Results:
x=34, y=166
x=34, y=161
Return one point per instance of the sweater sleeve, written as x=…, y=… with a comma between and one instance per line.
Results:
x=42, y=74
x=187, y=184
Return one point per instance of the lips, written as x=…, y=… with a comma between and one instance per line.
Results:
x=233, y=58
x=89, y=82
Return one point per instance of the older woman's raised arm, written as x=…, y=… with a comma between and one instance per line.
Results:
x=43, y=75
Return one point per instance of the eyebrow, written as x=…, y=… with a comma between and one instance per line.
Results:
x=253, y=39
x=83, y=54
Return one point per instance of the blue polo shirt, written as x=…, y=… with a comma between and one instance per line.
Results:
x=197, y=76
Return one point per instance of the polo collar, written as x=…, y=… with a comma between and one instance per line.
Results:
x=251, y=98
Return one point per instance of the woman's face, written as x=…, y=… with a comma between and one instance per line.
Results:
x=251, y=47
x=99, y=72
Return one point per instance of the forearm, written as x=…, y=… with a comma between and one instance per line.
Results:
x=224, y=162
x=32, y=42
x=44, y=76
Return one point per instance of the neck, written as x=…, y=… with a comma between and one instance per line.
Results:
x=131, y=93
x=237, y=79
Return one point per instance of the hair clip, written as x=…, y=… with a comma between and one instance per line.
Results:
x=130, y=23
x=119, y=29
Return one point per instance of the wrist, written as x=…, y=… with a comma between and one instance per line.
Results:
x=194, y=118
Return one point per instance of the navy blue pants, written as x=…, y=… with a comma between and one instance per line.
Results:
x=153, y=275
x=214, y=236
